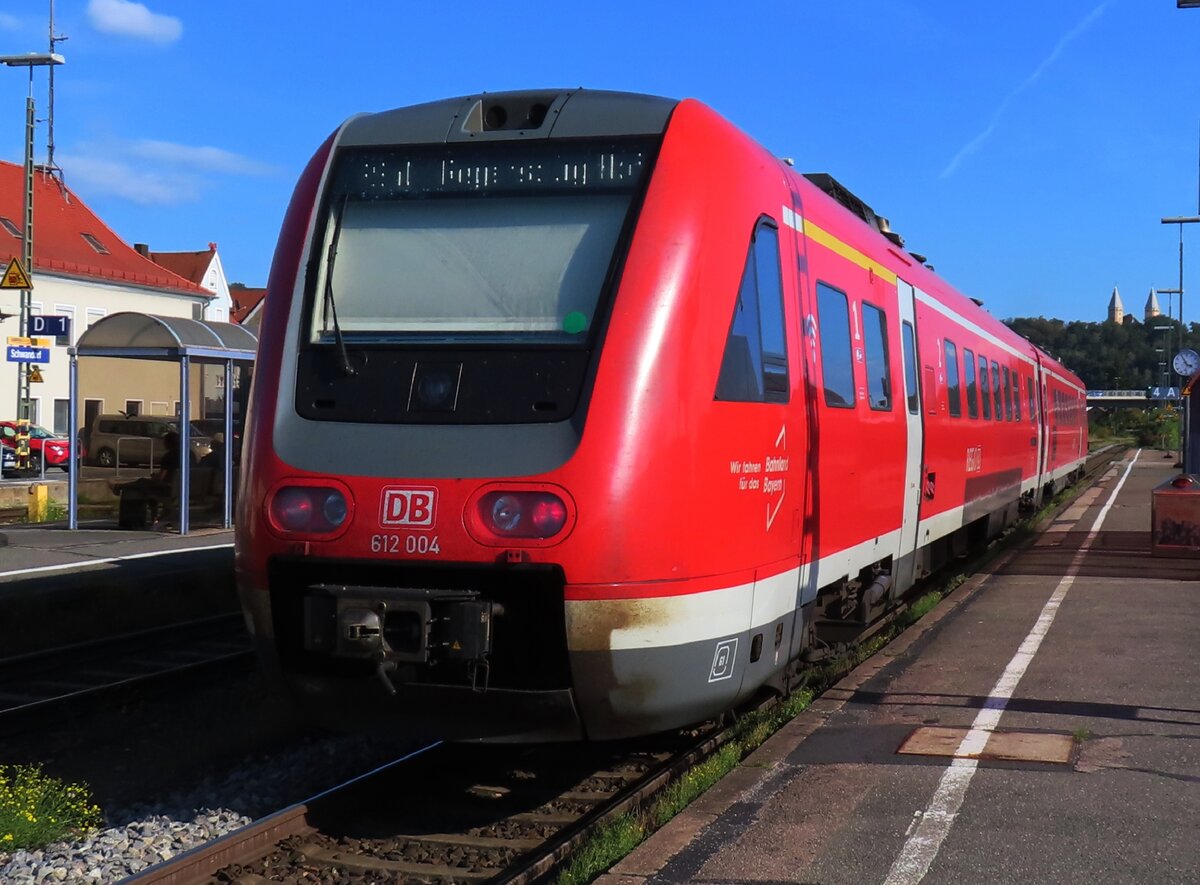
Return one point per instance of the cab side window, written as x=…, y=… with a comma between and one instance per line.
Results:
x=754, y=367
x=879, y=370
x=837, y=360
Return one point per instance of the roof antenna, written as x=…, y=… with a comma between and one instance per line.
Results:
x=54, y=41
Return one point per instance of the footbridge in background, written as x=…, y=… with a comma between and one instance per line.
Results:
x=1144, y=398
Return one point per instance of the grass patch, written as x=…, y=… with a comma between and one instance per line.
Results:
x=1080, y=735
x=620, y=836
x=36, y=809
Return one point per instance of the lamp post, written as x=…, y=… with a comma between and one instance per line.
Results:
x=31, y=60
x=1181, y=220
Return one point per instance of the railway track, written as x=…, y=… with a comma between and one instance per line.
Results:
x=460, y=815
x=38, y=683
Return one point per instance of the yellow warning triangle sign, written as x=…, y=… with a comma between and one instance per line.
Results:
x=15, y=276
x=35, y=375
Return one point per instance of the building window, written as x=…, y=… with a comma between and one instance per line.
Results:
x=62, y=414
x=95, y=244
x=879, y=370
x=133, y=407
x=8, y=225
x=837, y=362
x=953, y=392
x=754, y=367
x=972, y=387
x=95, y=315
x=67, y=311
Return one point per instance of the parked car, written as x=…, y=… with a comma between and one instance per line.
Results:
x=213, y=426
x=56, y=449
x=137, y=439
x=8, y=461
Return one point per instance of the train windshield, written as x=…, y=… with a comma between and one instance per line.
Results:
x=500, y=242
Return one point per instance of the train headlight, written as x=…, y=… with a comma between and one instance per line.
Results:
x=535, y=515
x=308, y=510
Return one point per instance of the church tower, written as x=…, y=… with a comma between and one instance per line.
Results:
x=1152, y=308
x=1116, y=310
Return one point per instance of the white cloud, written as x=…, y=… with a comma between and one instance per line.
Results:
x=130, y=19
x=150, y=172
x=210, y=159
x=147, y=187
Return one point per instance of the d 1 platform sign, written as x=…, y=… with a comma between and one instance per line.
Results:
x=56, y=326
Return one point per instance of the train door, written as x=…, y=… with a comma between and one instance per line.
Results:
x=914, y=451
x=1043, y=431
x=807, y=515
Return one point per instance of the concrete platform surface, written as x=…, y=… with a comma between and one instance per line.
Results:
x=1049, y=717
x=59, y=587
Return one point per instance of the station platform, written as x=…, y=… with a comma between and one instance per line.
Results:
x=60, y=587
x=1041, y=725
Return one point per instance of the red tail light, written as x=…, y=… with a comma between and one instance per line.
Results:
x=527, y=516
x=308, y=510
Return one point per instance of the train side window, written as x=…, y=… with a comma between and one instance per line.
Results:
x=837, y=362
x=1007, y=394
x=997, y=393
x=969, y=378
x=985, y=391
x=1032, y=401
x=910, y=367
x=754, y=366
x=1016, y=395
x=953, y=392
x=879, y=370
x=770, y=299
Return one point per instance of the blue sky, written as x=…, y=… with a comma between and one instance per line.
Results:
x=1028, y=148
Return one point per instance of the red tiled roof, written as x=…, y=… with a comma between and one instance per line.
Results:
x=60, y=219
x=244, y=301
x=189, y=265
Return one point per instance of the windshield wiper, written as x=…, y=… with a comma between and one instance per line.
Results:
x=330, y=304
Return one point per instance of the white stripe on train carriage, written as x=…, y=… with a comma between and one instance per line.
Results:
x=952, y=314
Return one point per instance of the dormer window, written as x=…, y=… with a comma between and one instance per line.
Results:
x=7, y=224
x=95, y=244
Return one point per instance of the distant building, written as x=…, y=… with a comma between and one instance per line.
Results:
x=84, y=271
x=247, y=306
x=1116, y=310
x=202, y=268
x=1152, y=308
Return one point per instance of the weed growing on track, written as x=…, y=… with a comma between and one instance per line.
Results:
x=36, y=809
x=626, y=832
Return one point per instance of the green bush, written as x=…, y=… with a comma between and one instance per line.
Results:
x=36, y=809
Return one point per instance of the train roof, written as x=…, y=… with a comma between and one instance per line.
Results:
x=507, y=116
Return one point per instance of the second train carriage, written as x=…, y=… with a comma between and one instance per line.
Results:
x=614, y=409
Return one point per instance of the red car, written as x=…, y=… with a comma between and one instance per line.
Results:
x=57, y=449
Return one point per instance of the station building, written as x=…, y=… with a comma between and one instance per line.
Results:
x=83, y=270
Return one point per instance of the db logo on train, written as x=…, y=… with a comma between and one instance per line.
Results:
x=414, y=508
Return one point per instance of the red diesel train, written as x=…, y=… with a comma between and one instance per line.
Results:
x=578, y=414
